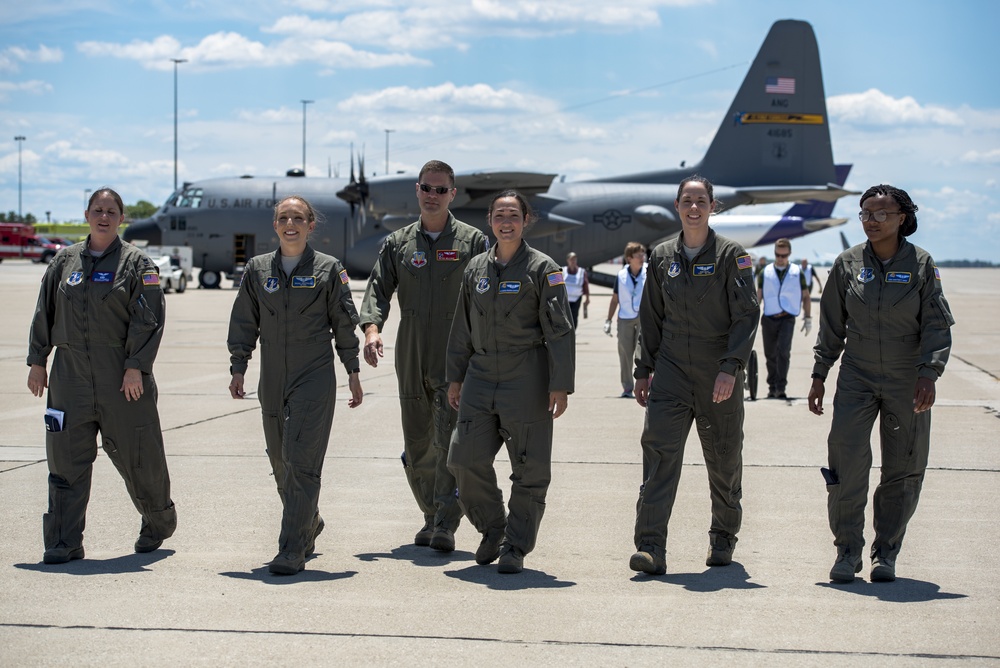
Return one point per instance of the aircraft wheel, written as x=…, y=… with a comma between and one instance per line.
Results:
x=210, y=280
x=182, y=284
x=752, y=375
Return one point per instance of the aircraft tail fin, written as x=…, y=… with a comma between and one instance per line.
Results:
x=816, y=208
x=777, y=130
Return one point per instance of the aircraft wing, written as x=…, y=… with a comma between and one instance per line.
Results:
x=476, y=188
x=776, y=194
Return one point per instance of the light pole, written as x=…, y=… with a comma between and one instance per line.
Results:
x=20, y=142
x=387, y=150
x=304, y=103
x=176, y=61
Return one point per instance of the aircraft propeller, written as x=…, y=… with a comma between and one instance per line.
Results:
x=356, y=191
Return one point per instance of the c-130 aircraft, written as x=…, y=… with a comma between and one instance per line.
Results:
x=772, y=146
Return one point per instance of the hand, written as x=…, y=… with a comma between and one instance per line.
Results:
x=454, y=394
x=641, y=390
x=816, y=393
x=724, y=384
x=557, y=403
x=38, y=380
x=923, y=395
x=807, y=325
x=607, y=327
x=357, y=394
x=132, y=384
x=236, y=386
x=373, y=345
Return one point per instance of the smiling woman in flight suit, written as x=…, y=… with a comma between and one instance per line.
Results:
x=295, y=300
x=101, y=308
x=510, y=367
x=883, y=308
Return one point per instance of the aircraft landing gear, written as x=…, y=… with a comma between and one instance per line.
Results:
x=210, y=280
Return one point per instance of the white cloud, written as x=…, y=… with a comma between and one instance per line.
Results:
x=13, y=56
x=875, y=108
x=30, y=87
x=982, y=157
x=480, y=97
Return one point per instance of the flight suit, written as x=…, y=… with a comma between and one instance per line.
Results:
x=697, y=318
x=511, y=344
x=892, y=324
x=427, y=274
x=102, y=315
x=295, y=317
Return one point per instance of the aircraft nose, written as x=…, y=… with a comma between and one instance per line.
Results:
x=144, y=229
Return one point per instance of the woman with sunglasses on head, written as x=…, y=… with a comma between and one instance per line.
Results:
x=295, y=300
x=884, y=310
x=511, y=365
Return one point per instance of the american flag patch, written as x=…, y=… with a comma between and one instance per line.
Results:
x=780, y=85
x=744, y=262
x=151, y=278
x=937, y=274
x=556, y=278
x=343, y=276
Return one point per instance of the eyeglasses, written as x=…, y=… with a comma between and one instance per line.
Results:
x=781, y=255
x=440, y=190
x=879, y=215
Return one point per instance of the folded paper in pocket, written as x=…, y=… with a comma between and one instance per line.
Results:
x=53, y=419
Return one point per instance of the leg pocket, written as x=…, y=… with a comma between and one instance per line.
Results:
x=150, y=481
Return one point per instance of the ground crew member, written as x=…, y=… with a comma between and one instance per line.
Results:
x=698, y=320
x=101, y=307
x=812, y=278
x=625, y=301
x=424, y=263
x=783, y=294
x=295, y=300
x=511, y=366
x=883, y=308
x=577, y=287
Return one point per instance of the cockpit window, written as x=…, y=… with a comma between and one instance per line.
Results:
x=188, y=198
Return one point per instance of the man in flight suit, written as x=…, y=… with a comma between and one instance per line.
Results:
x=424, y=262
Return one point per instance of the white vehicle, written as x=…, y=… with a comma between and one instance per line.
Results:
x=174, y=263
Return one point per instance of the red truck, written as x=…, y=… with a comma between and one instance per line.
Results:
x=19, y=240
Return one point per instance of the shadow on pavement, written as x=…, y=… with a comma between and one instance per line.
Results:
x=262, y=575
x=130, y=563
x=418, y=556
x=734, y=576
x=527, y=579
x=903, y=590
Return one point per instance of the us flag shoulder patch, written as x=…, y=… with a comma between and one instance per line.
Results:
x=343, y=276
x=555, y=278
x=151, y=278
x=744, y=262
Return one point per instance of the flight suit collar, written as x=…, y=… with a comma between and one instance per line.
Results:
x=448, y=231
x=307, y=256
x=519, y=255
x=905, y=250
x=709, y=246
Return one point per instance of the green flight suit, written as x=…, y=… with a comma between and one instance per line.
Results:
x=697, y=318
x=295, y=317
x=512, y=343
x=426, y=273
x=893, y=325
x=102, y=315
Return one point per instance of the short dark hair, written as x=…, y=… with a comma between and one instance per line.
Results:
x=105, y=190
x=440, y=167
x=902, y=199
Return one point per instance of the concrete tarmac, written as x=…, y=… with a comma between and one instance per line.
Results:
x=369, y=597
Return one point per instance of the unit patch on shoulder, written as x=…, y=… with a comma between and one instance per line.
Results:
x=866, y=274
x=674, y=270
x=343, y=277
x=103, y=277
x=703, y=269
x=744, y=262
x=271, y=284
x=897, y=277
x=937, y=274
x=150, y=278
x=483, y=285
x=448, y=256
x=556, y=278
x=75, y=278
x=303, y=281
x=419, y=259
x=509, y=287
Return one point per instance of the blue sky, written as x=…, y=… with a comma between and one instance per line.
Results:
x=582, y=88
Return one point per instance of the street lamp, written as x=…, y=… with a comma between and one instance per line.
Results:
x=387, y=150
x=304, y=103
x=176, y=61
x=20, y=143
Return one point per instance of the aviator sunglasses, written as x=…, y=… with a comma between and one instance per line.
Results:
x=440, y=190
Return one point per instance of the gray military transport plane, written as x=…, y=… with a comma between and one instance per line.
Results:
x=773, y=146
